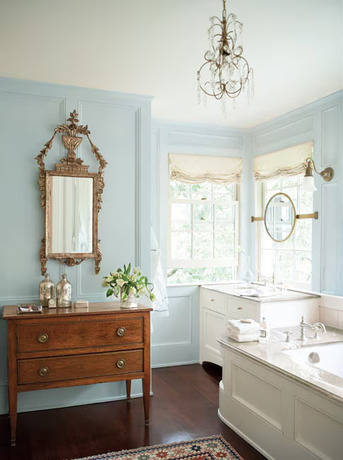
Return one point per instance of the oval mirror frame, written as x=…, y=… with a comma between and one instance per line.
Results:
x=292, y=219
x=70, y=167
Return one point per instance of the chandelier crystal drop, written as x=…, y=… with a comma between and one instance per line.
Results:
x=225, y=70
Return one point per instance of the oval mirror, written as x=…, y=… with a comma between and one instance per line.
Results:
x=280, y=217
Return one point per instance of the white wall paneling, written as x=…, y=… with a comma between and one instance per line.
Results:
x=176, y=337
x=200, y=140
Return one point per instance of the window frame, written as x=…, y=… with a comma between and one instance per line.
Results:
x=209, y=262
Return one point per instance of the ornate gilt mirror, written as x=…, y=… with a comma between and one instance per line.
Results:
x=280, y=217
x=71, y=199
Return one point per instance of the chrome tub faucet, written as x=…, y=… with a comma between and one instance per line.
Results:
x=315, y=326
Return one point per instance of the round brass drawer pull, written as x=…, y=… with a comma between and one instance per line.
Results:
x=120, y=363
x=121, y=331
x=43, y=337
x=43, y=371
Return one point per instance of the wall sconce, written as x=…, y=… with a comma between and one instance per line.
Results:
x=308, y=183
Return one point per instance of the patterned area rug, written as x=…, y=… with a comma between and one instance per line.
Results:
x=211, y=448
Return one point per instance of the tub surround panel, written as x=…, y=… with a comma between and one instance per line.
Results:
x=265, y=400
x=317, y=432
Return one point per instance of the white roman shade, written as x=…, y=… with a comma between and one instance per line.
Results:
x=286, y=162
x=194, y=169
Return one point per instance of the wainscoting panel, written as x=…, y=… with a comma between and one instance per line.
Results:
x=118, y=226
x=176, y=337
x=329, y=138
x=329, y=235
x=209, y=140
x=276, y=135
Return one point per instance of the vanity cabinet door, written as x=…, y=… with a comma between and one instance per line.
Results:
x=213, y=324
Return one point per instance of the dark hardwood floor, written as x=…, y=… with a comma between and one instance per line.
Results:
x=184, y=406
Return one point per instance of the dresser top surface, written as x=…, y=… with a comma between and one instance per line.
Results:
x=96, y=308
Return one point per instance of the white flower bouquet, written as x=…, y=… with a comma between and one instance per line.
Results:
x=127, y=282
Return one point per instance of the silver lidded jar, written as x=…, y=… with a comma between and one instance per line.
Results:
x=46, y=291
x=63, y=293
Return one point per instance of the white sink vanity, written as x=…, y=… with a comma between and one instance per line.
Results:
x=285, y=397
x=219, y=303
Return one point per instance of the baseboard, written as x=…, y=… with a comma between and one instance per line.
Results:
x=245, y=437
x=185, y=363
x=59, y=404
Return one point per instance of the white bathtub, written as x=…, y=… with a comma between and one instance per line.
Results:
x=285, y=399
x=327, y=357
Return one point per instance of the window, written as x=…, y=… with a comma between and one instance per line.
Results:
x=291, y=260
x=203, y=232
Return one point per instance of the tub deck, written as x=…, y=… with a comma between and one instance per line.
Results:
x=292, y=358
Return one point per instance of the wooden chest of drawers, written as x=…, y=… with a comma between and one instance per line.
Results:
x=67, y=347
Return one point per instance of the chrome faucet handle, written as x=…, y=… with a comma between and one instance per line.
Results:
x=288, y=334
x=302, y=329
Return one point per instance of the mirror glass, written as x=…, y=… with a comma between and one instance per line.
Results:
x=71, y=214
x=280, y=217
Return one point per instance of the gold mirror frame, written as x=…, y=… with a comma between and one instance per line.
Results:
x=70, y=166
x=294, y=217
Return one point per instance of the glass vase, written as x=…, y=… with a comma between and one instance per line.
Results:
x=128, y=302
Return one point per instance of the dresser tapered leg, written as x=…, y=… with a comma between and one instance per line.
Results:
x=128, y=389
x=12, y=400
x=12, y=381
x=146, y=399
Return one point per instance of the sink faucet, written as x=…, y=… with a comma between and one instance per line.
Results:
x=314, y=326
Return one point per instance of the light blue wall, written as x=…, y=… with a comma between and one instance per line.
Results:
x=177, y=339
x=321, y=122
x=136, y=197
x=120, y=127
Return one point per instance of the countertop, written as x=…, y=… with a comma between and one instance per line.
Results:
x=260, y=293
x=272, y=354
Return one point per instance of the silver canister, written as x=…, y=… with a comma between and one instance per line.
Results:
x=63, y=293
x=46, y=291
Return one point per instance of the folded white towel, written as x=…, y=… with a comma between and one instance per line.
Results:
x=243, y=337
x=245, y=326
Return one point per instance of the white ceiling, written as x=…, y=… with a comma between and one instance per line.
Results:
x=155, y=47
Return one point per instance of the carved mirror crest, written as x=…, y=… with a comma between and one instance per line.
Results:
x=71, y=199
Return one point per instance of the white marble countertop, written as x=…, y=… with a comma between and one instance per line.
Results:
x=260, y=293
x=272, y=355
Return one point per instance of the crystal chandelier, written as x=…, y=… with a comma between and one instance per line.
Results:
x=225, y=71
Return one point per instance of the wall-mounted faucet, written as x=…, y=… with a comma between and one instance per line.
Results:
x=316, y=326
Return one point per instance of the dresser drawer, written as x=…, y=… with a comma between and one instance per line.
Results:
x=214, y=300
x=65, y=335
x=242, y=308
x=79, y=367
